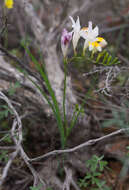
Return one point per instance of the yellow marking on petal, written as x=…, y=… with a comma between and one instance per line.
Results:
x=100, y=39
x=96, y=44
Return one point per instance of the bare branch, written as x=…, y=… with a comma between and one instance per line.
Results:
x=88, y=143
x=16, y=134
x=68, y=178
x=19, y=136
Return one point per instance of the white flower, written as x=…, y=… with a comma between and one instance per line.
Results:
x=89, y=34
x=65, y=41
x=76, y=32
x=91, y=38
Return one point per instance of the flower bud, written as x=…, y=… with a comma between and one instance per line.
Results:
x=65, y=41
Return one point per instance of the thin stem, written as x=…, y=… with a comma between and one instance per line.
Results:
x=64, y=92
x=75, y=116
x=74, y=119
x=84, y=51
x=75, y=52
x=92, y=54
x=57, y=111
x=72, y=122
x=44, y=95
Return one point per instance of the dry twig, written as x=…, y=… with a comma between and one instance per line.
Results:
x=88, y=143
x=16, y=133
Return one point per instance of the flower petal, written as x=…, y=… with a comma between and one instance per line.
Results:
x=65, y=41
x=90, y=26
x=78, y=23
x=73, y=22
x=90, y=47
x=83, y=34
x=76, y=31
x=95, y=31
x=103, y=43
x=99, y=48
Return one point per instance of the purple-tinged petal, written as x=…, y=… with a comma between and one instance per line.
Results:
x=65, y=41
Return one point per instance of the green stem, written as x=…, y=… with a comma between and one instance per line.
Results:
x=75, y=52
x=75, y=116
x=74, y=119
x=58, y=114
x=56, y=109
x=64, y=92
x=72, y=123
x=84, y=51
x=92, y=54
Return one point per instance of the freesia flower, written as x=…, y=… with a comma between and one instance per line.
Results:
x=65, y=41
x=9, y=3
x=76, y=32
x=91, y=38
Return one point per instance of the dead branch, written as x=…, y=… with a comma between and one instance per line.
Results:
x=16, y=133
x=88, y=143
x=19, y=136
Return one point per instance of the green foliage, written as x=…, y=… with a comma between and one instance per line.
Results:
x=36, y=188
x=4, y=155
x=95, y=168
x=102, y=58
x=127, y=147
x=5, y=111
x=54, y=105
x=106, y=59
x=6, y=139
x=119, y=119
x=86, y=63
x=77, y=111
x=13, y=88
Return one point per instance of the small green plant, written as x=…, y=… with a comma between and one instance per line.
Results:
x=93, y=44
x=95, y=167
x=4, y=155
x=63, y=127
